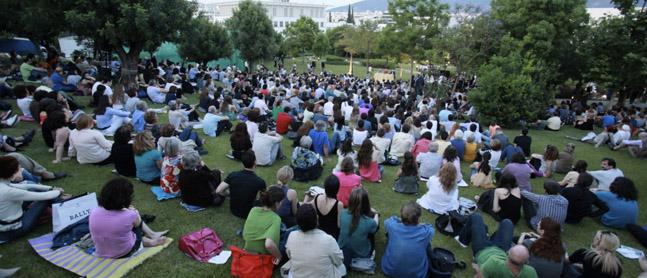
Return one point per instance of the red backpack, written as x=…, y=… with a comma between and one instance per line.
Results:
x=201, y=245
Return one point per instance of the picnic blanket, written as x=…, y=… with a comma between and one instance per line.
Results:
x=161, y=195
x=74, y=259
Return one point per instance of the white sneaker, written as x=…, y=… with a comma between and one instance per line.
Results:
x=457, y=238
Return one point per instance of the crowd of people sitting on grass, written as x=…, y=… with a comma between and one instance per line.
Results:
x=366, y=126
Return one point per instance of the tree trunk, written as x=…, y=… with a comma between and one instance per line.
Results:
x=455, y=81
x=129, y=70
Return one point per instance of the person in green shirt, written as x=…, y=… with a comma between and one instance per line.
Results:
x=491, y=259
x=262, y=227
x=30, y=72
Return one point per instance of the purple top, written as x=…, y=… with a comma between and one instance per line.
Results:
x=521, y=173
x=112, y=231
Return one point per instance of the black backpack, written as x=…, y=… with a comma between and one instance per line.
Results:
x=443, y=262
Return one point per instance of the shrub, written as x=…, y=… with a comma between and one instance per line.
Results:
x=506, y=93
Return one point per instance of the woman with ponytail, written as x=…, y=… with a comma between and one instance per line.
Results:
x=601, y=259
x=262, y=228
x=547, y=254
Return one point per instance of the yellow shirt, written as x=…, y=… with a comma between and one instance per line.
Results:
x=470, y=152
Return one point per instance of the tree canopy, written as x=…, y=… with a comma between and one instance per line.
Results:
x=204, y=41
x=251, y=32
x=300, y=36
x=416, y=24
x=128, y=26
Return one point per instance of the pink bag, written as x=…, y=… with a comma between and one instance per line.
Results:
x=201, y=245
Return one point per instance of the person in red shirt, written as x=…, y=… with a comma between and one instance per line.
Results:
x=283, y=121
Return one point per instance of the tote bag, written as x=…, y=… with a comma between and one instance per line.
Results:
x=72, y=210
x=201, y=245
x=248, y=265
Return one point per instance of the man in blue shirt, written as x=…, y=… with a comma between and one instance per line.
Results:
x=608, y=120
x=406, y=236
x=59, y=83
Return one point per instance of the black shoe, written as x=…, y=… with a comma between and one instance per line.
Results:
x=202, y=152
x=148, y=218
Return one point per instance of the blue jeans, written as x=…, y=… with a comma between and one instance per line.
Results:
x=475, y=232
x=29, y=220
x=188, y=133
x=26, y=175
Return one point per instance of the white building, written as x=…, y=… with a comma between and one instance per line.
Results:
x=281, y=12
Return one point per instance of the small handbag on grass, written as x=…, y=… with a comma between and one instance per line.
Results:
x=201, y=245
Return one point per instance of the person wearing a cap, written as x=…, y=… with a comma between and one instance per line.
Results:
x=537, y=206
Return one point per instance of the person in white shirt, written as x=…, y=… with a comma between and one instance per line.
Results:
x=381, y=144
x=442, y=194
x=328, y=107
x=260, y=104
x=402, y=141
x=359, y=134
x=347, y=110
x=449, y=123
x=89, y=145
x=177, y=116
x=312, y=252
x=105, y=82
x=266, y=146
x=554, y=123
x=23, y=100
x=155, y=93
x=620, y=135
x=429, y=162
x=17, y=219
x=473, y=130
x=608, y=173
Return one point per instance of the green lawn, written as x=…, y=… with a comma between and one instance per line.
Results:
x=170, y=215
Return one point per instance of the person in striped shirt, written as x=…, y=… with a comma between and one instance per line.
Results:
x=537, y=206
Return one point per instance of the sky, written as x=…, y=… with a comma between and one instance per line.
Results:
x=331, y=3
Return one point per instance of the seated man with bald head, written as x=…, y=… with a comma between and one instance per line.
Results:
x=491, y=259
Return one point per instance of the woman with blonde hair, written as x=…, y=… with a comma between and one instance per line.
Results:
x=601, y=259
x=89, y=145
x=442, y=194
x=288, y=207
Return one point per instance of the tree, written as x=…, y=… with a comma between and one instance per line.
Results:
x=300, y=36
x=416, y=24
x=546, y=29
x=204, y=41
x=471, y=42
x=128, y=26
x=350, y=18
x=38, y=20
x=506, y=91
x=321, y=44
x=252, y=33
x=620, y=56
x=334, y=35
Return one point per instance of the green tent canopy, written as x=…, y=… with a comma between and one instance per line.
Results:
x=169, y=51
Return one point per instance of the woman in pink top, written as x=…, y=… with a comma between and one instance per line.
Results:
x=348, y=180
x=367, y=160
x=422, y=145
x=116, y=227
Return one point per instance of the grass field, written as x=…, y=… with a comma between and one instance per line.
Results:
x=170, y=215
